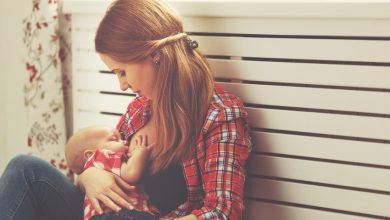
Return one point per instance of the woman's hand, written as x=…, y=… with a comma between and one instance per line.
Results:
x=103, y=187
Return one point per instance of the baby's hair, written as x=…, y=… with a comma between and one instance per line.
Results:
x=73, y=152
x=80, y=141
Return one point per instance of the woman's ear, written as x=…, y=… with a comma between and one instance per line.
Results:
x=87, y=154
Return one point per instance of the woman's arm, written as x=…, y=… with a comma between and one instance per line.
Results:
x=104, y=187
x=227, y=148
x=132, y=169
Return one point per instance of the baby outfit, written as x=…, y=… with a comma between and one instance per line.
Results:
x=111, y=161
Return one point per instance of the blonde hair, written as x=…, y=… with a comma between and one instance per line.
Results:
x=132, y=31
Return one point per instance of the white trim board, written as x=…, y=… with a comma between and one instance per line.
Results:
x=256, y=8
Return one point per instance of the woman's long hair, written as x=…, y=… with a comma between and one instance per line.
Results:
x=132, y=31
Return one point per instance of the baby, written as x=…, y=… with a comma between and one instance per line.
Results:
x=102, y=147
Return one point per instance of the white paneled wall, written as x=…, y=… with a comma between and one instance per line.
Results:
x=315, y=79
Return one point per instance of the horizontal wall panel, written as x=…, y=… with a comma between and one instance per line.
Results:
x=84, y=39
x=99, y=82
x=331, y=99
x=288, y=26
x=274, y=26
x=317, y=98
x=314, y=49
x=89, y=22
x=320, y=123
x=250, y=8
x=321, y=172
x=85, y=7
x=103, y=102
x=255, y=210
x=325, y=197
x=88, y=61
x=303, y=73
x=83, y=119
x=285, y=8
x=322, y=148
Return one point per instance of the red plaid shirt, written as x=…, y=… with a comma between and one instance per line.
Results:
x=215, y=175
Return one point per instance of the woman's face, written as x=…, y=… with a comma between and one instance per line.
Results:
x=139, y=77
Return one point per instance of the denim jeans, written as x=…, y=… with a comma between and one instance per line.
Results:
x=32, y=189
x=125, y=214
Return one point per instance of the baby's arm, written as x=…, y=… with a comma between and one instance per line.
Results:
x=132, y=169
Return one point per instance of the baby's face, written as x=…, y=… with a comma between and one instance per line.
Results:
x=108, y=138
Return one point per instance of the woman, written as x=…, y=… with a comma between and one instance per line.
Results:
x=200, y=132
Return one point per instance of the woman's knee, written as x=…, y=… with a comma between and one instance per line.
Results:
x=30, y=166
x=24, y=162
x=13, y=177
x=20, y=160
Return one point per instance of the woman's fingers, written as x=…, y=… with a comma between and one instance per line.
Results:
x=96, y=205
x=114, y=198
x=122, y=197
x=107, y=200
x=123, y=185
x=102, y=186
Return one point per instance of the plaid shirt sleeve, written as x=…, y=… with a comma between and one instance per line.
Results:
x=227, y=147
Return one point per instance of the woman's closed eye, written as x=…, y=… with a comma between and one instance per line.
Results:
x=120, y=73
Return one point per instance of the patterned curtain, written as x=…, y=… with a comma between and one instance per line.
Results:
x=46, y=90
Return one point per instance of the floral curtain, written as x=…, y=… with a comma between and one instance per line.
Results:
x=46, y=90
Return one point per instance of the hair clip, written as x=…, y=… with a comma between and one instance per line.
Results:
x=192, y=43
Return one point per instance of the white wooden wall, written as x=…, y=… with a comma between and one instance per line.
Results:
x=315, y=78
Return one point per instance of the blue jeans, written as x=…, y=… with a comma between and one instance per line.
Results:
x=32, y=189
x=126, y=214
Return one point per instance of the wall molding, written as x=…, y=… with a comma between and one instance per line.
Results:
x=257, y=8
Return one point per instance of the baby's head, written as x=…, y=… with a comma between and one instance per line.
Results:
x=85, y=141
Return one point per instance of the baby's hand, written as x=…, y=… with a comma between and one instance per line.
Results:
x=140, y=144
